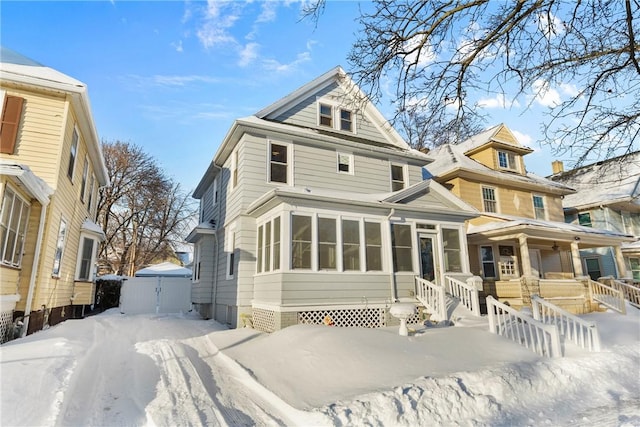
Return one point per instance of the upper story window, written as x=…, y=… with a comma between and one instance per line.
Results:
x=345, y=163
x=86, y=258
x=584, y=219
x=57, y=258
x=489, y=202
x=279, y=163
x=214, y=196
x=398, y=179
x=507, y=160
x=234, y=169
x=73, y=153
x=335, y=117
x=85, y=174
x=326, y=115
x=13, y=227
x=538, y=207
x=9, y=123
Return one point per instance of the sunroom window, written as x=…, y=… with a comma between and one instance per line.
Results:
x=300, y=242
x=13, y=227
x=401, y=246
x=350, y=245
x=327, y=243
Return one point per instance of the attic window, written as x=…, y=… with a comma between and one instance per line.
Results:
x=507, y=160
x=345, y=120
x=326, y=115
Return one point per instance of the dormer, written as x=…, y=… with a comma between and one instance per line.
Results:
x=498, y=149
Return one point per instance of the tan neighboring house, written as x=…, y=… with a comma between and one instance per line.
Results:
x=520, y=244
x=607, y=196
x=51, y=167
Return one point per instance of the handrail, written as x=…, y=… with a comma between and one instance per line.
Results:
x=518, y=327
x=608, y=296
x=432, y=296
x=629, y=292
x=468, y=295
x=579, y=331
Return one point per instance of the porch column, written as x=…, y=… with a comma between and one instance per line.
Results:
x=524, y=255
x=577, y=261
x=622, y=268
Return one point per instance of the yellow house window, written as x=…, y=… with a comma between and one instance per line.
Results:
x=507, y=160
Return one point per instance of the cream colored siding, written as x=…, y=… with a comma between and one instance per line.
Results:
x=39, y=134
x=486, y=157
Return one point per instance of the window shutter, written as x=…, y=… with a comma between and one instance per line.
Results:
x=11, y=112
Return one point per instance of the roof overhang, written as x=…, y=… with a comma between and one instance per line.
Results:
x=500, y=145
x=204, y=228
x=91, y=227
x=22, y=176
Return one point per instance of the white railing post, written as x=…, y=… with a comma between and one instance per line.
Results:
x=467, y=293
x=432, y=296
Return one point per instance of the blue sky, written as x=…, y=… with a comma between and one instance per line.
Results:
x=172, y=76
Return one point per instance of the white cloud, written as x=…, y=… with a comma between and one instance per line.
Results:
x=268, y=13
x=248, y=54
x=569, y=89
x=427, y=55
x=550, y=25
x=273, y=65
x=499, y=101
x=177, y=46
x=169, y=81
x=545, y=95
x=523, y=138
x=220, y=16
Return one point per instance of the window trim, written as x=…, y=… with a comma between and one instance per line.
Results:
x=335, y=116
x=230, y=243
x=312, y=243
x=537, y=208
x=510, y=159
x=24, y=204
x=350, y=170
x=336, y=243
x=214, y=191
x=494, y=190
x=405, y=175
x=60, y=247
x=289, y=163
x=197, y=249
x=85, y=176
x=73, y=153
x=492, y=261
x=92, y=260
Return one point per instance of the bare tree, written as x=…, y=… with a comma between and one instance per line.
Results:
x=440, y=54
x=143, y=213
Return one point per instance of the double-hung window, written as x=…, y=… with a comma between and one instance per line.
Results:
x=397, y=177
x=57, y=258
x=335, y=117
x=401, y=247
x=268, y=255
x=346, y=121
x=301, y=241
x=13, y=227
x=327, y=244
x=489, y=202
x=350, y=245
x=72, y=153
x=634, y=264
x=452, y=250
x=278, y=163
x=345, y=163
x=373, y=246
x=83, y=184
x=488, y=262
x=538, y=207
x=86, y=258
x=325, y=115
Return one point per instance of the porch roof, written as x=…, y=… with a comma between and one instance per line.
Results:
x=505, y=225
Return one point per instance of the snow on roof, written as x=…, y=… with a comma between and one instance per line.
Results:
x=92, y=227
x=12, y=62
x=164, y=269
x=112, y=277
x=450, y=157
x=611, y=181
x=508, y=221
x=34, y=184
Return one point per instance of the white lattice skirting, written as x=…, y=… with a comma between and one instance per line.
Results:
x=265, y=320
x=6, y=326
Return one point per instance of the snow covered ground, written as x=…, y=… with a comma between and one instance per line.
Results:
x=177, y=370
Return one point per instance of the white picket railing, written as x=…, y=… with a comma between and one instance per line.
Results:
x=629, y=292
x=466, y=294
x=579, y=331
x=522, y=329
x=432, y=296
x=608, y=296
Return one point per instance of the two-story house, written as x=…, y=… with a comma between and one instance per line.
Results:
x=520, y=244
x=315, y=210
x=51, y=167
x=608, y=197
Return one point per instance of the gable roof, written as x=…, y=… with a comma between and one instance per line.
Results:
x=339, y=76
x=22, y=71
x=499, y=135
x=451, y=159
x=607, y=182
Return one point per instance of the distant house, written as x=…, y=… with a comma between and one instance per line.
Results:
x=315, y=208
x=51, y=167
x=607, y=197
x=520, y=244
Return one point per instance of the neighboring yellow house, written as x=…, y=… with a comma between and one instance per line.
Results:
x=51, y=167
x=520, y=245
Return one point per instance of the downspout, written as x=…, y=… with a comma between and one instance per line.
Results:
x=34, y=270
x=392, y=277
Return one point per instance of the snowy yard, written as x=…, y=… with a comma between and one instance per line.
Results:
x=166, y=370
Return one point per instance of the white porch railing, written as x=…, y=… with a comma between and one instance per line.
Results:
x=468, y=295
x=432, y=296
x=630, y=293
x=579, y=331
x=522, y=329
x=608, y=296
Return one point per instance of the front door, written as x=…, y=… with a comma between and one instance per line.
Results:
x=428, y=266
